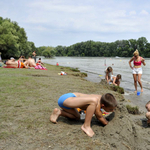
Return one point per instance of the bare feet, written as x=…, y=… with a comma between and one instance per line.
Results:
x=141, y=90
x=135, y=91
x=55, y=115
x=88, y=131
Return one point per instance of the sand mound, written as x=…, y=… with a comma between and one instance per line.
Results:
x=123, y=132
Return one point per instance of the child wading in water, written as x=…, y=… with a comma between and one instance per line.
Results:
x=108, y=73
x=90, y=102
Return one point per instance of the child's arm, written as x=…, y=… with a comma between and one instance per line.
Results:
x=99, y=116
x=107, y=78
x=114, y=80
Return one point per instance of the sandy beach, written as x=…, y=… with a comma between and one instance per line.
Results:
x=28, y=98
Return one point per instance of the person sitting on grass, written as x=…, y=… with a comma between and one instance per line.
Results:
x=147, y=106
x=30, y=62
x=39, y=62
x=22, y=59
x=92, y=103
x=115, y=79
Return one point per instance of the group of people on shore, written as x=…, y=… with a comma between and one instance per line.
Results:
x=22, y=62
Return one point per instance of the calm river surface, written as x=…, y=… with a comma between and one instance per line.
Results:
x=95, y=66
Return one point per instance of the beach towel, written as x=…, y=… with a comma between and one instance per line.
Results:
x=40, y=67
x=8, y=67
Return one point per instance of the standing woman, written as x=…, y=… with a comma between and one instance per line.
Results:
x=137, y=68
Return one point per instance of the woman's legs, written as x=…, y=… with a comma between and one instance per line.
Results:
x=135, y=81
x=135, y=76
x=139, y=81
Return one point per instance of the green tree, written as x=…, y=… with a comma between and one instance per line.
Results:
x=49, y=52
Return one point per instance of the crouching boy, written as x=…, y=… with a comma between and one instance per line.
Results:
x=92, y=103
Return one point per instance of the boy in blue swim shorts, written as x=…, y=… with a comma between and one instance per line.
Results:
x=92, y=103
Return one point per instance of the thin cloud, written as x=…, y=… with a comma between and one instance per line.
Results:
x=67, y=22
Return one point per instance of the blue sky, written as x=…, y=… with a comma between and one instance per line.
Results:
x=66, y=22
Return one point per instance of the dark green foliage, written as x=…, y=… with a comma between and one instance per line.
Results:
x=75, y=69
x=132, y=110
x=117, y=88
x=121, y=48
x=80, y=74
x=13, y=40
x=112, y=87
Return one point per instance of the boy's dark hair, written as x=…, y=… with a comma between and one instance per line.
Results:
x=39, y=58
x=108, y=100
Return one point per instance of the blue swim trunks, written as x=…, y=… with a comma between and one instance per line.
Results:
x=63, y=98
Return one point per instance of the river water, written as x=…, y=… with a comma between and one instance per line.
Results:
x=95, y=66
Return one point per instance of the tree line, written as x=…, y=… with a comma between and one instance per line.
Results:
x=14, y=43
x=121, y=48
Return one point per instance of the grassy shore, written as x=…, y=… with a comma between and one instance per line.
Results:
x=28, y=97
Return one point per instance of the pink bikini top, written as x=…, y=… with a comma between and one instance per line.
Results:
x=137, y=63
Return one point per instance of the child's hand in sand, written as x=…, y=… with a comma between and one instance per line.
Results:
x=148, y=122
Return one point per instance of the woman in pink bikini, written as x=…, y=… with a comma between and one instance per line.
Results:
x=137, y=69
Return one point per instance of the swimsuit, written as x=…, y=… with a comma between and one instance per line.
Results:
x=111, y=78
x=137, y=63
x=20, y=64
x=63, y=98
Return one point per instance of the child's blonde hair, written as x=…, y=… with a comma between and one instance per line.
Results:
x=136, y=53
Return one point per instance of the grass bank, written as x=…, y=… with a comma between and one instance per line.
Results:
x=27, y=99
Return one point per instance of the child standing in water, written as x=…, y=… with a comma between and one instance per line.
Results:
x=92, y=103
x=108, y=73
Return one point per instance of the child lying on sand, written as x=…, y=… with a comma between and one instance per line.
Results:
x=90, y=102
